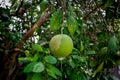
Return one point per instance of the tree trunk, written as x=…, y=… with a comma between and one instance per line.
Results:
x=8, y=66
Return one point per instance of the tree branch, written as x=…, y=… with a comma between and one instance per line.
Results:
x=36, y=25
x=93, y=11
x=43, y=18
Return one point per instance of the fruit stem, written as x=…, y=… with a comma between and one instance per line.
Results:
x=62, y=28
x=61, y=67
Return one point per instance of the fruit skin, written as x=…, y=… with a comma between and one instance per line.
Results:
x=61, y=45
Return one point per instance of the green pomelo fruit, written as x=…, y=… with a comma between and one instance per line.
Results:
x=61, y=45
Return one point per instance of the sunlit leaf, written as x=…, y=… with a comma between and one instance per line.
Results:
x=50, y=59
x=72, y=24
x=71, y=21
x=23, y=59
x=55, y=70
x=56, y=20
x=27, y=53
x=37, y=47
x=35, y=58
x=51, y=73
x=38, y=67
x=81, y=46
x=99, y=68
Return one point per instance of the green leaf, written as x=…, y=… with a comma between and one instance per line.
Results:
x=38, y=67
x=56, y=20
x=81, y=46
x=35, y=58
x=92, y=63
x=29, y=76
x=99, y=68
x=80, y=22
x=102, y=52
x=71, y=10
x=43, y=5
x=80, y=59
x=91, y=52
x=72, y=64
x=37, y=76
x=23, y=59
x=52, y=74
x=72, y=24
x=27, y=53
x=14, y=3
x=73, y=77
x=34, y=67
x=108, y=3
x=71, y=21
x=117, y=63
x=37, y=47
x=50, y=59
x=29, y=67
x=54, y=70
x=113, y=45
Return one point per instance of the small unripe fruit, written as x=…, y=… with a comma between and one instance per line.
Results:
x=61, y=45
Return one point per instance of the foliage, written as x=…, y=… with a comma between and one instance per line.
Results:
x=94, y=26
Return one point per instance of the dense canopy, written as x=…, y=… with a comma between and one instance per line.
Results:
x=26, y=27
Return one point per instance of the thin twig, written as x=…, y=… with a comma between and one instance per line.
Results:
x=19, y=7
x=93, y=11
x=44, y=43
x=43, y=18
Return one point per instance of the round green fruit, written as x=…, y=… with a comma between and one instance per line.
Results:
x=61, y=45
